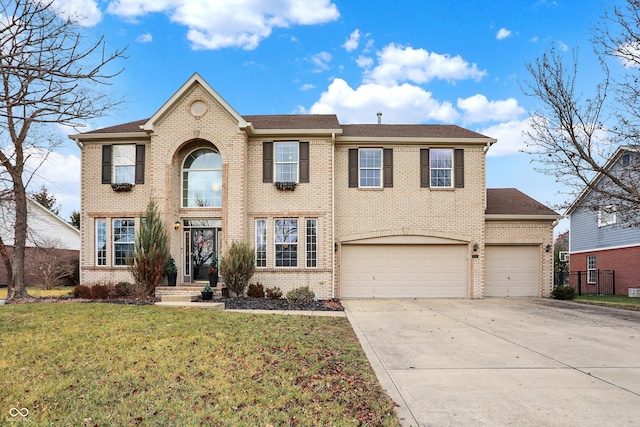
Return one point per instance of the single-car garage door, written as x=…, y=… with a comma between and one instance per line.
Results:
x=512, y=271
x=404, y=271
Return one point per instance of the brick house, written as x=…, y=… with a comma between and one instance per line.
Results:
x=371, y=210
x=600, y=242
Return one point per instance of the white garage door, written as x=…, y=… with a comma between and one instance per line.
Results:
x=404, y=271
x=512, y=271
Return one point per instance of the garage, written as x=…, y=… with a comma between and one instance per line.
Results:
x=512, y=271
x=404, y=271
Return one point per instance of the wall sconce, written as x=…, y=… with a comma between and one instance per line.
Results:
x=547, y=248
x=335, y=247
x=176, y=225
x=475, y=247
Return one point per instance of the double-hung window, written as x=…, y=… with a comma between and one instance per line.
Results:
x=124, y=164
x=101, y=241
x=312, y=242
x=123, y=240
x=591, y=269
x=261, y=242
x=441, y=168
x=286, y=161
x=286, y=242
x=370, y=167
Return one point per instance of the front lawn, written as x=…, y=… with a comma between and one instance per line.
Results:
x=74, y=364
x=619, y=301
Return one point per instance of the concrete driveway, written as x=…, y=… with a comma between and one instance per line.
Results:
x=499, y=362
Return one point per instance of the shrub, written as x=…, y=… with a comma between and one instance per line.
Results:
x=82, y=291
x=301, y=295
x=122, y=289
x=564, y=292
x=237, y=266
x=274, y=293
x=256, y=290
x=100, y=291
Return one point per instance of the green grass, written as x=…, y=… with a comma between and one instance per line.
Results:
x=619, y=301
x=39, y=292
x=73, y=364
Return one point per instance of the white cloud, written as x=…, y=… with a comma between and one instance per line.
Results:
x=307, y=86
x=503, y=33
x=398, y=64
x=145, y=38
x=352, y=43
x=364, y=62
x=509, y=135
x=321, y=61
x=478, y=108
x=83, y=12
x=534, y=39
x=399, y=104
x=563, y=47
x=234, y=23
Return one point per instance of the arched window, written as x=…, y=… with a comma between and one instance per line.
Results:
x=202, y=179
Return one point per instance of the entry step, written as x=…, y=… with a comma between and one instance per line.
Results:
x=179, y=298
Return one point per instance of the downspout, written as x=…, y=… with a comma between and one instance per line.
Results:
x=333, y=212
x=80, y=146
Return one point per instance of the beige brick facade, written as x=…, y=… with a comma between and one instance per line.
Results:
x=342, y=214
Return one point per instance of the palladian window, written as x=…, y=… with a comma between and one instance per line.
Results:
x=202, y=179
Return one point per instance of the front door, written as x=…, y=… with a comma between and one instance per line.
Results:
x=201, y=243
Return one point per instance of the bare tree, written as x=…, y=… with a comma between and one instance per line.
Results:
x=574, y=137
x=50, y=266
x=48, y=76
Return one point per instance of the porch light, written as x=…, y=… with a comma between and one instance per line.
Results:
x=547, y=248
x=176, y=225
x=475, y=247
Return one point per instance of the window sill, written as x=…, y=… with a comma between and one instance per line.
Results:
x=442, y=188
x=371, y=188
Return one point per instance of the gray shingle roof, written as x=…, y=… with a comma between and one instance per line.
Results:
x=409, y=131
x=122, y=128
x=294, y=121
x=509, y=201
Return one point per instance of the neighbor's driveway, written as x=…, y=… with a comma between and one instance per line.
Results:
x=496, y=362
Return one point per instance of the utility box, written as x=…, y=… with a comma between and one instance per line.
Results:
x=634, y=292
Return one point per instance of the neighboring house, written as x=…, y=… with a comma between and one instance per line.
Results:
x=45, y=230
x=357, y=210
x=599, y=241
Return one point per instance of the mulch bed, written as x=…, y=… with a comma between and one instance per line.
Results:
x=249, y=303
x=245, y=303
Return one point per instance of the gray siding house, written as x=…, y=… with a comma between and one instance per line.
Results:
x=604, y=248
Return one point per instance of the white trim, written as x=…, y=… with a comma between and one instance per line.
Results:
x=184, y=159
x=603, y=215
x=266, y=252
x=604, y=249
x=106, y=240
x=377, y=140
x=502, y=217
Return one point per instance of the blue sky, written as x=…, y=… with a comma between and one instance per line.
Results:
x=418, y=61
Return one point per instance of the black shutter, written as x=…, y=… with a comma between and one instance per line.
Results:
x=458, y=164
x=304, y=162
x=106, y=164
x=139, y=164
x=353, y=167
x=425, y=175
x=387, y=162
x=267, y=162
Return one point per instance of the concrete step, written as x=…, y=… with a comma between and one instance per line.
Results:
x=179, y=298
x=209, y=305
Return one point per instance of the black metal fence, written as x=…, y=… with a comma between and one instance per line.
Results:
x=603, y=282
